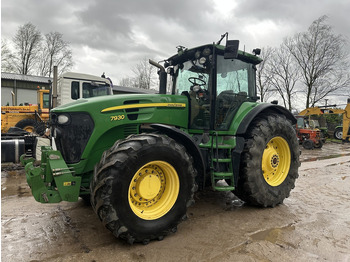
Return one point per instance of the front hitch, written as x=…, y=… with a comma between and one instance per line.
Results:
x=53, y=181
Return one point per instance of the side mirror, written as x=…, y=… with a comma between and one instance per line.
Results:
x=231, y=49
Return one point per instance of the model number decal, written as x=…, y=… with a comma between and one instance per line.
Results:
x=117, y=118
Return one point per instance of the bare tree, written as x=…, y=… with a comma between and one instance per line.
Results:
x=55, y=52
x=7, y=63
x=127, y=82
x=263, y=77
x=284, y=74
x=27, y=45
x=144, y=74
x=322, y=58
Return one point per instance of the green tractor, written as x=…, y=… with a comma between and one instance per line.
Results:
x=140, y=158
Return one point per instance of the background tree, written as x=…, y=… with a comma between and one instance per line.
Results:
x=263, y=77
x=27, y=45
x=55, y=51
x=36, y=54
x=144, y=74
x=127, y=82
x=283, y=73
x=7, y=63
x=322, y=58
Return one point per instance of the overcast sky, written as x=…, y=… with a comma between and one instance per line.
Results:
x=113, y=36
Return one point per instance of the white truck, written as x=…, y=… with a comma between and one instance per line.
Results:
x=72, y=86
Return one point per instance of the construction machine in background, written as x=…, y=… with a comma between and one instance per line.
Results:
x=22, y=126
x=139, y=158
x=340, y=132
x=33, y=118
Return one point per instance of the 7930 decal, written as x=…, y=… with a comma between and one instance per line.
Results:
x=117, y=118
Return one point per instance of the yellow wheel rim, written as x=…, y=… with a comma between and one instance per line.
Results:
x=276, y=161
x=29, y=129
x=153, y=190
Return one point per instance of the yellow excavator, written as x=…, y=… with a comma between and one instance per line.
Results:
x=70, y=87
x=29, y=116
x=341, y=132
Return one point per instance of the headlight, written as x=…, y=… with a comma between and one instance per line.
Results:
x=63, y=119
x=202, y=60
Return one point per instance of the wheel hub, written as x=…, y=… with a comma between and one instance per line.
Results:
x=276, y=161
x=148, y=186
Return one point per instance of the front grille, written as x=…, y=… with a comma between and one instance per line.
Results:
x=71, y=138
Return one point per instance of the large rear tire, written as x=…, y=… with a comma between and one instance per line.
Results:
x=26, y=124
x=142, y=187
x=270, y=162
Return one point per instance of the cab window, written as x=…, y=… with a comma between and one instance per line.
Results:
x=75, y=93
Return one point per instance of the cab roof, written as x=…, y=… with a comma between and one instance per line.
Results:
x=184, y=54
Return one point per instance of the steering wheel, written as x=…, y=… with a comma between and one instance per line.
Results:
x=196, y=81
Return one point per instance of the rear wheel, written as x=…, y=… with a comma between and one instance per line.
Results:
x=142, y=187
x=270, y=162
x=338, y=133
x=26, y=124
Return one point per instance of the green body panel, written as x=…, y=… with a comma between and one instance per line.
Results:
x=117, y=124
x=244, y=109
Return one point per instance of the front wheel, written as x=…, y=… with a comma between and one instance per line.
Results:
x=338, y=133
x=270, y=162
x=308, y=144
x=142, y=187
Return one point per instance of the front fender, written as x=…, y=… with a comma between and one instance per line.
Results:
x=187, y=141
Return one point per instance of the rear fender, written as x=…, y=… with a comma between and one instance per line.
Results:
x=261, y=109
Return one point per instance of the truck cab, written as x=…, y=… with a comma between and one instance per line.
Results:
x=73, y=86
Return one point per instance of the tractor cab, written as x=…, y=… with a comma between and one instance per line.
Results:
x=216, y=81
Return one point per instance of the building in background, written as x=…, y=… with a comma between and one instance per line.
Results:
x=24, y=88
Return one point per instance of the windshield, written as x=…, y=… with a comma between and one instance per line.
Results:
x=192, y=80
x=189, y=74
x=94, y=89
x=46, y=100
x=235, y=84
x=232, y=75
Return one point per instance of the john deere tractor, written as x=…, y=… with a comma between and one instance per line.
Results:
x=140, y=158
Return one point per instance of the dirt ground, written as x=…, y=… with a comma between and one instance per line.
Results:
x=313, y=224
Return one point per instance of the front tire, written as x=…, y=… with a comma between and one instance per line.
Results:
x=338, y=133
x=142, y=187
x=270, y=162
x=308, y=144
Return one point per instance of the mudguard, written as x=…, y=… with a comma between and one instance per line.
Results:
x=260, y=109
x=187, y=141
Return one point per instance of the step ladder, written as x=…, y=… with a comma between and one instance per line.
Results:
x=217, y=149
